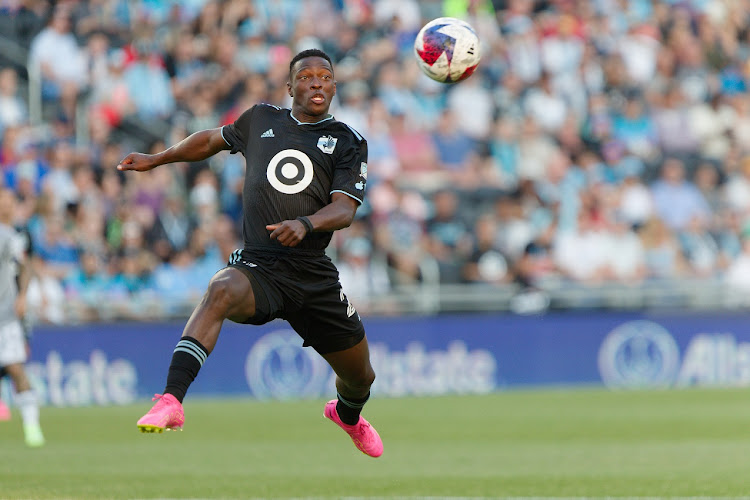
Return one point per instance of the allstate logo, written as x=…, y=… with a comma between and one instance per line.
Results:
x=639, y=354
x=278, y=367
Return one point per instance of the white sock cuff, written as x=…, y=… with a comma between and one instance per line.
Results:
x=26, y=398
x=29, y=407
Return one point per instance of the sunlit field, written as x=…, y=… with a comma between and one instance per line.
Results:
x=565, y=443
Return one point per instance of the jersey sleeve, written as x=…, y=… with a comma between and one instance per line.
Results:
x=350, y=176
x=235, y=134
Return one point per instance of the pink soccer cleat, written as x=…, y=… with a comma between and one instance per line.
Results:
x=166, y=414
x=365, y=437
x=4, y=411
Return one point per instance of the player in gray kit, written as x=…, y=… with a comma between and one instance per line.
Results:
x=14, y=280
x=305, y=178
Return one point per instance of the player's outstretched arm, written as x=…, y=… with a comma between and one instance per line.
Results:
x=336, y=215
x=196, y=147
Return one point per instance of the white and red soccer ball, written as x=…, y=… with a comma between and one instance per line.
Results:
x=447, y=49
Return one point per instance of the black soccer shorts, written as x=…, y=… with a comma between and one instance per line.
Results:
x=302, y=288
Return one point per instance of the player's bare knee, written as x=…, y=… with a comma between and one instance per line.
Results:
x=221, y=295
x=371, y=378
x=18, y=376
x=15, y=370
x=361, y=382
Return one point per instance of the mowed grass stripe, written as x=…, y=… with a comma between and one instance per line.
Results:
x=498, y=498
x=524, y=444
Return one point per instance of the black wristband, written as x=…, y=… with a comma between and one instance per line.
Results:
x=306, y=222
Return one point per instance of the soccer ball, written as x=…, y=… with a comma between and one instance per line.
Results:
x=447, y=49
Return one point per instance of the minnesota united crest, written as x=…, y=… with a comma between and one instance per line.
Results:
x=327, y=144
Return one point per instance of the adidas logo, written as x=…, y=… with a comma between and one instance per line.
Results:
x=267, y=133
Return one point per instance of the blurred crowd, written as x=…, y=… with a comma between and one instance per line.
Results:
x=599, y=140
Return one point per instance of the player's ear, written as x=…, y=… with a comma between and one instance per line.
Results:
x=289, y=88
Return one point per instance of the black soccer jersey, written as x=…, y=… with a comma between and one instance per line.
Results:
x=292, y=169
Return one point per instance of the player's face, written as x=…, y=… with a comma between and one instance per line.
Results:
x=312, y=88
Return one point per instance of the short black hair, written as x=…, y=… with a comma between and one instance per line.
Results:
x=309, y=53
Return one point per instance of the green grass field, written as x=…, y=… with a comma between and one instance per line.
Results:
x=565, y=443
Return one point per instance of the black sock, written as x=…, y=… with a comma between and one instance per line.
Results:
x=350, y=408
x=189, y=355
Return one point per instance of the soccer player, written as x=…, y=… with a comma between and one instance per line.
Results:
x=14, y=280
x=305, y=178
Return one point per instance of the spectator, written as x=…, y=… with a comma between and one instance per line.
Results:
x=737, y=277
x=96, y=57
x=515, y=231
x=523, y=53
x=664, y=258
x=505, y=153
x=627, y=257
x=737, y=188
x=183, y=66
x=486, y=263
x=400, y=231
x=133, y=273
x=88, y=286
x=204, y=198
x=583, y=254
x=447, y=235
x=26, y=175
x=45, y=298
x=712, y=121
x=454, y=148
x=405, y=12
x=362, y=274
x=354, y=104
x=741, y=125
x=13, y=110
x=700, y=248
x=60, y=59
x=471, y=103
x=176, y=282
x=172, y=227
x=635, y=129
x=416, y=152
x=57, y=248
x=394, y=93
x=676, y=199
x=674, y=128
x=535, y=151
x=58, y=182
x=639, y=49
x=111, y=98
x=709, y=182
x=148, y=84
x=537, y=263
x=636, y=205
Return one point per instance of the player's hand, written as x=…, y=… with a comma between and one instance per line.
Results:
x=137, y=161
x=289, y=233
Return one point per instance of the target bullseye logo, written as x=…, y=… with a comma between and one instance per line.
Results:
x=290, y=171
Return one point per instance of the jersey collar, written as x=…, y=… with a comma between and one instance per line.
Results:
x=329, y=116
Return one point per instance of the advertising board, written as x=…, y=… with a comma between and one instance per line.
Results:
x=111, y=364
